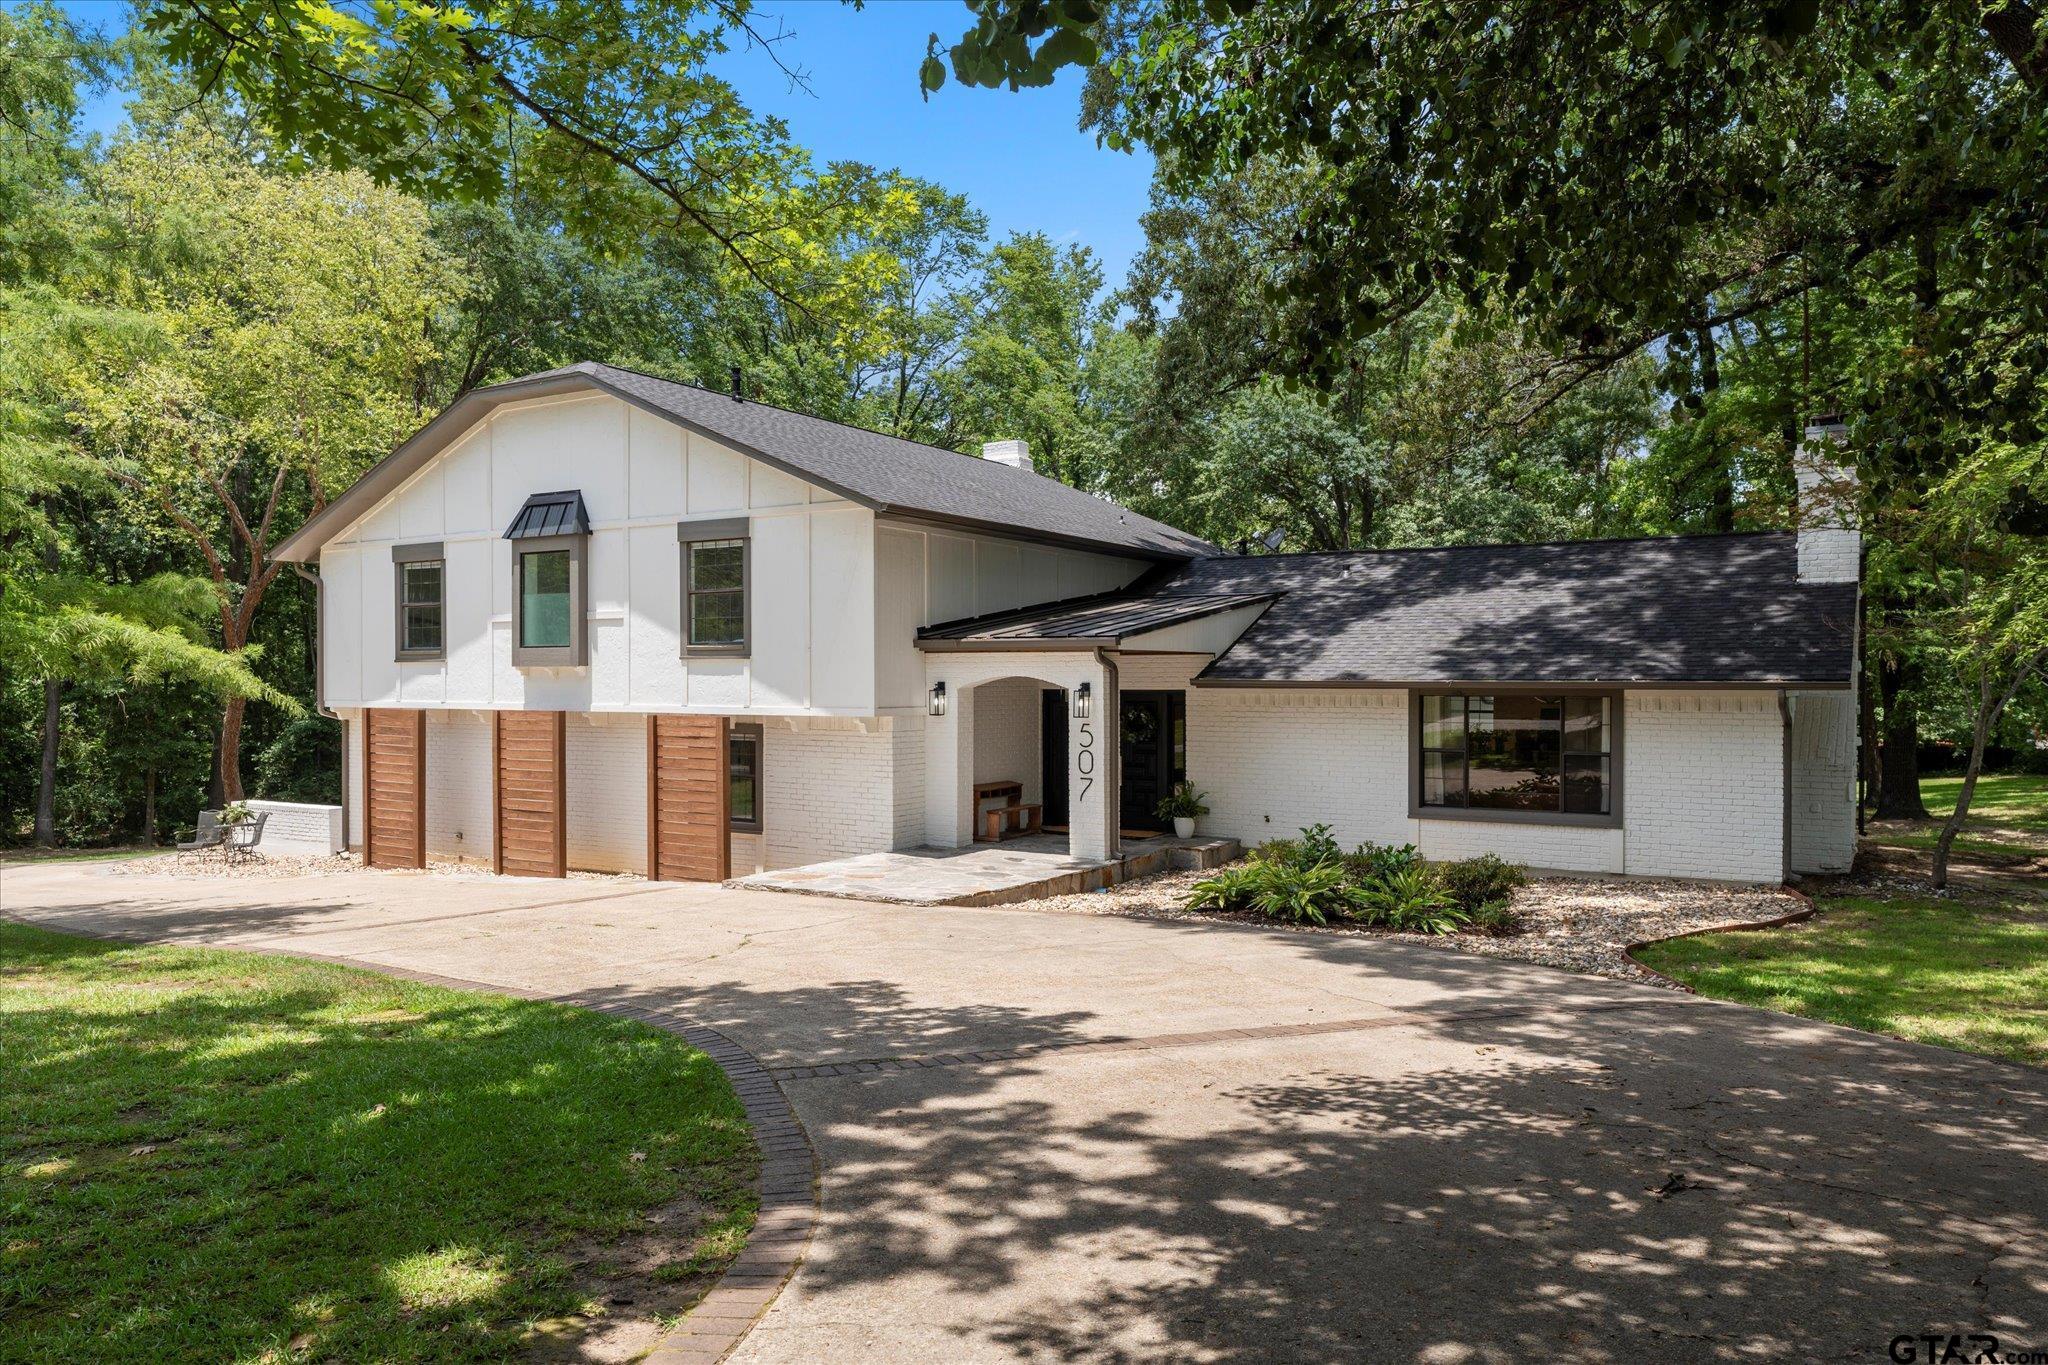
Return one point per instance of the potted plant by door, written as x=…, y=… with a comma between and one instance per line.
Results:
x=1182, y=805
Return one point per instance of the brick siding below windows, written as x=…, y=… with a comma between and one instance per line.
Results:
x=1702, y=793
x=459, y=785
x=606, y=757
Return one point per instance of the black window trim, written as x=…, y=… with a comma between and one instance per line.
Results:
x=689, y=533
x=575, y=654
x=754, y=731
x=1611, y=820
x=422, y=552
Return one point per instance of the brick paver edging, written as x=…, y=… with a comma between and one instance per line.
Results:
x=1394, y=1018
x=787, y=1185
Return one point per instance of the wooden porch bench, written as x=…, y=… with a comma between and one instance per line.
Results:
x=1018, y=818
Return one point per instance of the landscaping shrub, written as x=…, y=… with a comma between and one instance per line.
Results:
x=1473, y=882
x=1410, y=900
x=1309, y=880
x=1376, y=862
x=1495, y=919
x=1303, y=895
x=1230, y=889
x=1287, y=851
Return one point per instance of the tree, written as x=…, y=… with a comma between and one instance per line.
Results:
x=278, y=327
x=1987, y=621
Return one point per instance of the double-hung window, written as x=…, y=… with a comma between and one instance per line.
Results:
x=1517, y=756
x=716, y=577
x=419, y=576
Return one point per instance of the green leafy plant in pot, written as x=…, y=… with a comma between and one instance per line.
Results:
x=1182, y=805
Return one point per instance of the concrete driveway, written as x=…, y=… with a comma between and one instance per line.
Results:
x=1221, y=1143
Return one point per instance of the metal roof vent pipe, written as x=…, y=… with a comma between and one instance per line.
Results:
x=1016, y=454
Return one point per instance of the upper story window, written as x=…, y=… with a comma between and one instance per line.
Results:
x=1517, y=756
x=549, y=585
x=418, y=572
x=716, y=578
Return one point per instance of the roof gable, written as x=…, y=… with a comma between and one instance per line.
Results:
x=884, y=473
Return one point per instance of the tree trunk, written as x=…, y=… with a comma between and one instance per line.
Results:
x=231, y=750
x=1898, y=789
x=1991, y=705
x=46, y=782
x=149, y=806
x=1980, y=730
x=1721, y=517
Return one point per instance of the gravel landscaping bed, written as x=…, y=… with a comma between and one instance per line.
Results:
x=1582, y=924
x=206, y=864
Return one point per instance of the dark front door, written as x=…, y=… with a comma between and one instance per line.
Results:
x=1152, y=728
x=1052, y=743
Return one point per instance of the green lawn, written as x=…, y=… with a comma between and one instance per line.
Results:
x=2008, y=814
x=2014, y=800
x=1942, y=972
x=212, y=1155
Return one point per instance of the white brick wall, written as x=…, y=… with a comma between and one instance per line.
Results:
x=1823, y=779
x=906, y=741
x=1702, y=782
x=298, y=828
x=1703, y=792
x=352, y=749
x=828, y=789
x=605, y=761
x=1830, y=547
x=1006, y=726
x=1275, y=760
x=459, y=785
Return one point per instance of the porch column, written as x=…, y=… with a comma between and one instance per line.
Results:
x=1092, y=777
x=949, y=765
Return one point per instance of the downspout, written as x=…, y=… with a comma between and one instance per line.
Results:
x=1112, y=756
x=1785, y=780
x=320, y=680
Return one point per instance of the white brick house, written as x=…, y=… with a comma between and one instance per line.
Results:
x=593, y=619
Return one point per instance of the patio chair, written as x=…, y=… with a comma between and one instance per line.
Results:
x=210, y=832
x=243, y=838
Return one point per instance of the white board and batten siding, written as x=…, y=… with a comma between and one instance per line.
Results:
x=813, y=574
x=837, y=596
x=927, y=575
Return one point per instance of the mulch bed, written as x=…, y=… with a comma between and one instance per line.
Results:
x=1582, y=924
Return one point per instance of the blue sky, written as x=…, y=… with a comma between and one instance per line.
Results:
x=1018, y=156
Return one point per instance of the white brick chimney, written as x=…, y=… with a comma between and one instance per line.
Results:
x=1016, y=454
x=1830, y=541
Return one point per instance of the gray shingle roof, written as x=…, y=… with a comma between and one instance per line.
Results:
x=1684, y=609
x=885, y=473
x=1105, y=619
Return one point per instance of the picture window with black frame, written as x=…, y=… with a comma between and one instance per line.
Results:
x=743, y=778
x=1520, y=755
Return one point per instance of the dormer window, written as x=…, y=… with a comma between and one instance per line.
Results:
x=549, y=584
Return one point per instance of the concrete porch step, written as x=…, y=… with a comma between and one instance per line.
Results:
x=987, y=874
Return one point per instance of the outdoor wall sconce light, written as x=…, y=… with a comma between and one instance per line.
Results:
x=1081, y=695
x=937, y=705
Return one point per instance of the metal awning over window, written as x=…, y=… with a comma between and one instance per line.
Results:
x=550, y=514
